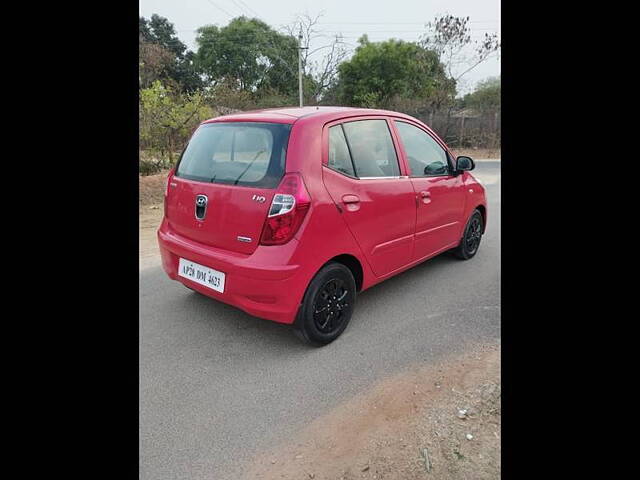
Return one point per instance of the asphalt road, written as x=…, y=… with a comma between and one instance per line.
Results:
x=217, y=385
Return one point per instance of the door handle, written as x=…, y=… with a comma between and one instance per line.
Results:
x=425, y=196
x=351, y=202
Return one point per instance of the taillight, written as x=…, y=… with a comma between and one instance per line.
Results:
x=287, y=211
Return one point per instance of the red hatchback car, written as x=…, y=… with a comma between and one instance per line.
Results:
x=288, y=213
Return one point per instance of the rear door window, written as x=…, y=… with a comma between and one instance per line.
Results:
x=339, y=157
x=237, y=153
x=371, y=148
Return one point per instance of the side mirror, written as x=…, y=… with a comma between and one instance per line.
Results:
x=464, y=164
x=436, y=168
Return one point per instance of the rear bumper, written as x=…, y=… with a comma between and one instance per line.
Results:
x=265, y=284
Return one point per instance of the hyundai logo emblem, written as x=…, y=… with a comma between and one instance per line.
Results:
x=201, y=206
x=201, y=200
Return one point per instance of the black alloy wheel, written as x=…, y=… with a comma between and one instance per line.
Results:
x=330, y=305
x=470, y=241
x=327, y=305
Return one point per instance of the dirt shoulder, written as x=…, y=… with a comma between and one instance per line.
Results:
x=150, y=209
x=150, y=217
x=151, y=188
x=389, y=431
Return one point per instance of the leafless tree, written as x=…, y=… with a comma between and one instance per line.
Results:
x=450, y=37
x=322, y=72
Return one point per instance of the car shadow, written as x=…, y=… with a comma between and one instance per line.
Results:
x=232, y=325
x=415, y=273
x=236, y=326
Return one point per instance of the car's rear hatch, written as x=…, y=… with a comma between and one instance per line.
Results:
x=224, y=183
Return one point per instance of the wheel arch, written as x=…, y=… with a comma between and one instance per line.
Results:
x=483, y=211
x=353, y=264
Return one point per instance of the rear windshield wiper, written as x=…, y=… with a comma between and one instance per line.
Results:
x=248, y=166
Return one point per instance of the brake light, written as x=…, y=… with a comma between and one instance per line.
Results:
x=287, y=211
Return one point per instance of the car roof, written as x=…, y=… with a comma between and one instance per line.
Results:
x=292, y=114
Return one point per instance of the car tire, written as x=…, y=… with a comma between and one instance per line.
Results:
x=327, y=305
x=471, y=237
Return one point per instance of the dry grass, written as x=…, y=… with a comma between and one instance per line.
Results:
x=152, y=188
x=150, y=210
x=150, y=217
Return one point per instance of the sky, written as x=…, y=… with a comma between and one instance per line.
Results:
x=380, y=20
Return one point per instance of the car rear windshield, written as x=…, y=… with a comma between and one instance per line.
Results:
x=237, y=153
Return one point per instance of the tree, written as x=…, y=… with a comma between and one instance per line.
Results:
x=160, y=31
x=450, y=38
x=164, y=57
x=155, y=62
x=381, y=74
x=249, y=55
x=167, y=117
x=186, y=73
x=486, y=97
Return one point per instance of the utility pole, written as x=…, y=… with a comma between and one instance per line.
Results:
x=300, y=48
x=300, y=66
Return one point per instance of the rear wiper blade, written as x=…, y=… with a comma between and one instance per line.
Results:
x=248, y=166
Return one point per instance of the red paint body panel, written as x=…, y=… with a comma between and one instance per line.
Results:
x=245, y=218
x=440, y=205
x=385, y=224
x=383, y=221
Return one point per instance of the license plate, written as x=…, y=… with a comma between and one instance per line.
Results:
x=203, y=275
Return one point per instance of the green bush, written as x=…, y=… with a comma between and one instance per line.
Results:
x=167, y=119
